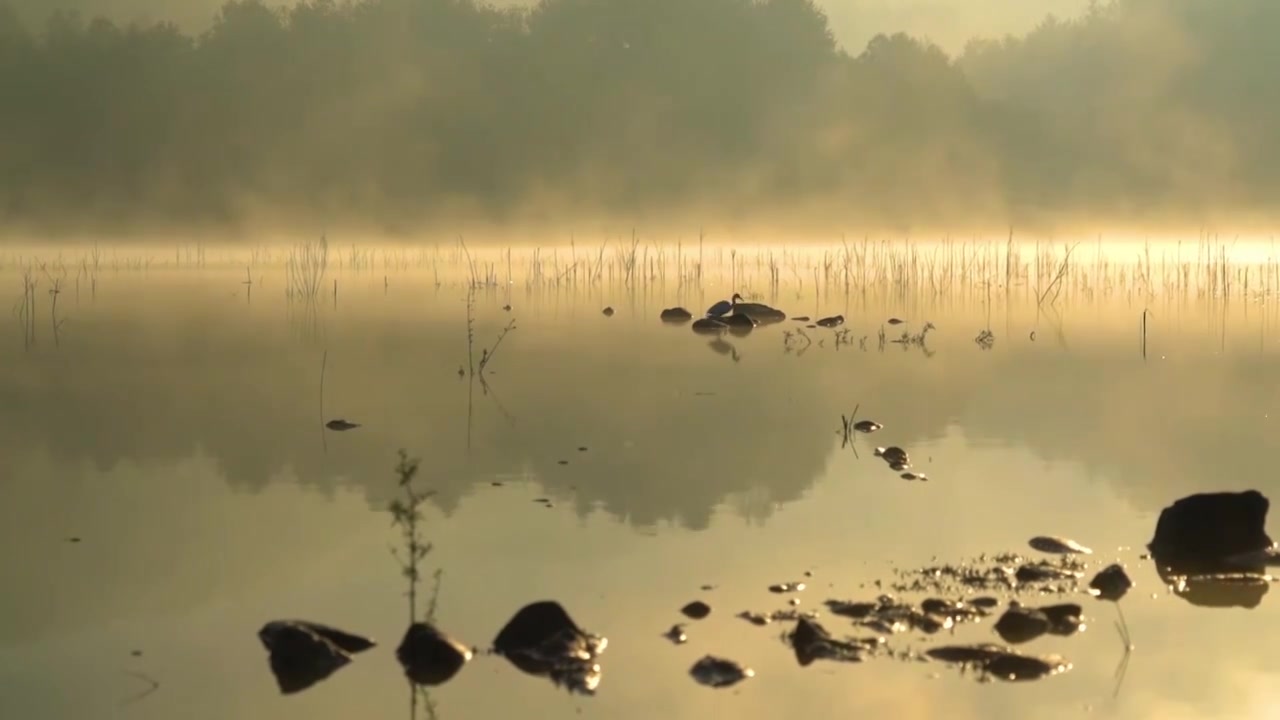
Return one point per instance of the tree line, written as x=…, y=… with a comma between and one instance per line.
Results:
x=405, y=111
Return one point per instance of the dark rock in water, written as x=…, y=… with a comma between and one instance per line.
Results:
x=985, y=603
x=341, y=425
x=304, y=653
x=895, y=456
x=1212, y=548
x=719, y=672
x=708, y=326
x=541, y=639
x=830, y=322
x=1021, y=624
x=812, y=642
x=867, y=426
x=1064, y=618
x=1111, y=583
x=1212, y=526
x=1000, y=662
x=429, y=657
x=696, y=610
x=801, y=318
x=676, y=315
x=736, y=321
x=677, y=635
x=894, y=321
x=608, y=312
x=341, y=639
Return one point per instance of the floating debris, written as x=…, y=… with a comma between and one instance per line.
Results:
x=1111, y=583
x=801, y=318
x=304, y=653
x=542, y=640
x=895, y=321
x=719, y=672
x=867, y=426
x=696, y=610
x=562, y=462
x=677, y=635
x=582, y=448
x=73, y=539
x=1058, y=545
x=1000, y=662
x=429, y=657
x=341, y=425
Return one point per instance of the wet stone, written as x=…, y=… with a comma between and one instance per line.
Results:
x=303, y=653
x=719, y=672
x=696, y=610
x=867, y=426
x=542, y=640
x=429, y=657
x=1111, y=583
x=676, y=635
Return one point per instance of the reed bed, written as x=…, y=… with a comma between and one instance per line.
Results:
x=947, y=270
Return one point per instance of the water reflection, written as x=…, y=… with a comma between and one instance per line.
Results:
x=181, y=447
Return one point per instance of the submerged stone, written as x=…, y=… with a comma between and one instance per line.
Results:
x=867, y=426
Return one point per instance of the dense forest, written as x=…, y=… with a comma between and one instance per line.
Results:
x=396, y=113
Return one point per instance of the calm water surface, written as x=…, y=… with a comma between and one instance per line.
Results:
x=174, y=428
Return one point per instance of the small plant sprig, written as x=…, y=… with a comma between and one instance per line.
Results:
x=406, y=514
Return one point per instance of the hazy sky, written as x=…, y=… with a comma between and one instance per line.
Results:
x=947, y=22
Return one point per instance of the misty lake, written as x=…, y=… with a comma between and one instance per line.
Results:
x=169, y=487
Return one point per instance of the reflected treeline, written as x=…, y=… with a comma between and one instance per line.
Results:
x=670, y=430
x=403, y=110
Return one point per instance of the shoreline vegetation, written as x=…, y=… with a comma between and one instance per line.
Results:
x=397, y=115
